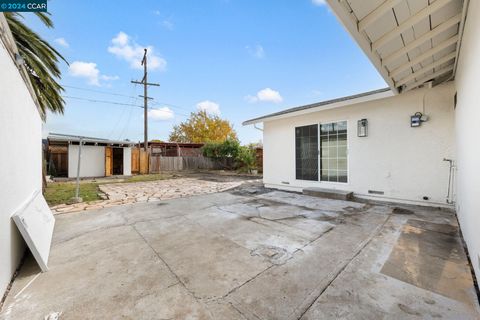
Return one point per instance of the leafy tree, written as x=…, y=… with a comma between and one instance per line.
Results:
x=41, y=61
x=227, y=149
x=202, y=127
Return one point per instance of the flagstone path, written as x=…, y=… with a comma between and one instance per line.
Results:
x=127, y=193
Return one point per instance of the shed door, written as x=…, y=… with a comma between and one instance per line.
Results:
x=108, y=161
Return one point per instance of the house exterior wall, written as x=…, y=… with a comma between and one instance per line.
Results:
x=467, y=132
x=405, y=163
x=127, y=161
x=92, y=162
x=21, y=161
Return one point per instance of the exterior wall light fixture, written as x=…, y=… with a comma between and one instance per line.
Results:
x=362, y=128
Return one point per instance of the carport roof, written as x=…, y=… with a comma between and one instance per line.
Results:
x=324, y=105
x=410, y=42
x=72, y=138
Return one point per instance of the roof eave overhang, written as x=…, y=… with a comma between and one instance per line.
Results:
x=89, y=140
x=351, y=27
x=345, y=103
x=406, y=53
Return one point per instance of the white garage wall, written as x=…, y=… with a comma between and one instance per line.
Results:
x=127, y=161
x=467, y=128
x=405, y=163
x=92, y=163
x=20, y=163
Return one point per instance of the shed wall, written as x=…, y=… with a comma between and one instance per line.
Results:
x=92, y=162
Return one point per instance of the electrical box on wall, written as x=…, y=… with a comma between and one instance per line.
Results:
x=417, y=119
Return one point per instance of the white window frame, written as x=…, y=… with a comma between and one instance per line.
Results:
x=320, y=158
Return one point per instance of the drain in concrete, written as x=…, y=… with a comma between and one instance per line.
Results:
x=274, y=255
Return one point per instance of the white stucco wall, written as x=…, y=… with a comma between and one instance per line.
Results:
x=405, y=163
x=20, y=163
x=127, y=161
x=467, y=128
x=92, y=163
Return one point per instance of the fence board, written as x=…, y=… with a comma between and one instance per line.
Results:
x=144, y=163
x=135, y=160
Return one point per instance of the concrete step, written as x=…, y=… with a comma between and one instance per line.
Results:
x=328, y=193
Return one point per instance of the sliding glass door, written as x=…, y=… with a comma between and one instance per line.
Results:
x=325, y=149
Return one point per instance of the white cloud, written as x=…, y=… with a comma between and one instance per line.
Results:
x=62, y=42
x=168, y=24
x=109, y=78
x=126, y=49
x=256, y=51
x=265, y=95
x=88, y=71
x=161, y=114
x=209, y=107
x=319, y=2
x=121, y=39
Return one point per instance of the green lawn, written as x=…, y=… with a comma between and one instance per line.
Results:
x=62, y=192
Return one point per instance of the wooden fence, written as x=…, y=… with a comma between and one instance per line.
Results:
x=159, y=163
x=153, y=162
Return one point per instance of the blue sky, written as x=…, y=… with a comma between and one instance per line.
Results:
x=237, y=58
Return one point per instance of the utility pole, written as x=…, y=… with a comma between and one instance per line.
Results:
x=145, y=98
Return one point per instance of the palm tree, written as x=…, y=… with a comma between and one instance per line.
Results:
x=41, y=61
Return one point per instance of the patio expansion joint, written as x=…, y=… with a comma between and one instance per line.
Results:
x=131, y=223
x=246, y=282
x=342, y=266
x=180, y=282
x=90, y=231
x=245, y=316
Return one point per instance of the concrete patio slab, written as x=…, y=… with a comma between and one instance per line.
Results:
x=250, y=253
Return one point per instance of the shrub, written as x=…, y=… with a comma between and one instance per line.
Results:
x=246, y=157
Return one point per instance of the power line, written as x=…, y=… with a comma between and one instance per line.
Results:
x=127, y=123
x=104, y=101
x=97, y=91
x=115, y=103
x=126, y=96
x=133, y=91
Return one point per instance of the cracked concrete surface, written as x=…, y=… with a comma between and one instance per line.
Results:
x=249, y=253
